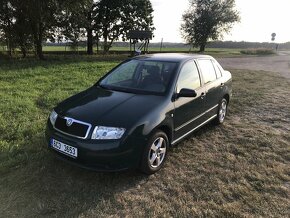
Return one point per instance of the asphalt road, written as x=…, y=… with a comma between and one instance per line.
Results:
x=278, y=64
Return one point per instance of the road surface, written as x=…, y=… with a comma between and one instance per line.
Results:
x=278, y=64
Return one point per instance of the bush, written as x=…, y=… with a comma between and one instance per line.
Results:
x=258, y=51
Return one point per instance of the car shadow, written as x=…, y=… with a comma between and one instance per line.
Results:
x=55, y=188
x=86, y=190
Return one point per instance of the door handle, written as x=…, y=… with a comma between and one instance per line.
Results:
x=222, y=84
x=202, y=95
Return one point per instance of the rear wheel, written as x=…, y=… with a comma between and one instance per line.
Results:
x=222, y=111
x=155, y=152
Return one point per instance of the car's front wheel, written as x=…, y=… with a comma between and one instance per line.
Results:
x=155, y=152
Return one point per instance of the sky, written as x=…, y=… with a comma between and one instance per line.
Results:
x=259, y=19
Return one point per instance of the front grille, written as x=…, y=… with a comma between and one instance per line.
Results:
x=77, y=128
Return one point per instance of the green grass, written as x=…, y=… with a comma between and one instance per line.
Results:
x=216, y=52
x=63, y=48
x=209, y=51
x=238, y=169
x=28, y=91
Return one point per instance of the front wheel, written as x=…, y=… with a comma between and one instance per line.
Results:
x=222, y=112
x=155, y=152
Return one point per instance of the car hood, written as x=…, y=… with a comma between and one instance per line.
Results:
x=100, y=106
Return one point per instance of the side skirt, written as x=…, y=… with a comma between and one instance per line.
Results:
x=200, y=125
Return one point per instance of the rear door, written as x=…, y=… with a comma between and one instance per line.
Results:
x=212, y=85
x=188, y=109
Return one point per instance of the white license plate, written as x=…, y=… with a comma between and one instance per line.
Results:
x=64, y=148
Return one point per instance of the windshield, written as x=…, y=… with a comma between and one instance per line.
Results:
x=140, y=76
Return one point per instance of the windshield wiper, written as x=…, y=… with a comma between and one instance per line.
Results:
x=103, y=86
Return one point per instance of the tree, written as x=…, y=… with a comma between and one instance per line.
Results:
x=21, y=27
x=207, y=20
x=72, y=21
x=90, y=26
x=78, y=21
x=6, y=25
x=15, y=26
x=114, y=19
x=43, y=20
x=30, y=23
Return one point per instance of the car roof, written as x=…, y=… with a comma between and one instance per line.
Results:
x=172, y=57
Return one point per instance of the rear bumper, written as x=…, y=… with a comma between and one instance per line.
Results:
x=104, y=155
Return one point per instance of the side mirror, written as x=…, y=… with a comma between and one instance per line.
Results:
x=187, y=93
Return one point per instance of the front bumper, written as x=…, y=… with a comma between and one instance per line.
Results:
x=100, y=155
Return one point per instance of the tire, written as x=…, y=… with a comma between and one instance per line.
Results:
x=222, y=112
x=155, y=153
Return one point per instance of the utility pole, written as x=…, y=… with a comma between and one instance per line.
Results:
x=161, y=44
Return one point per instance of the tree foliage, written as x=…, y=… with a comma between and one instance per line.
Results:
x=24, y=23
x=7, y=25
x=28, y=24
x=22, y=28
x=75, y=22
x=207, y=20
x=114, y=19
x=42, y=16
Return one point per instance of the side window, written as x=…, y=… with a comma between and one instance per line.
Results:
x=217, y=69
x=207, y=70
x=188, y=77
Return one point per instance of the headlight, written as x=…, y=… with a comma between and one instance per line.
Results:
x=52, y=117
x=103, y=132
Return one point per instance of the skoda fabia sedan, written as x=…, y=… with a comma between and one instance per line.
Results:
x=131, y=116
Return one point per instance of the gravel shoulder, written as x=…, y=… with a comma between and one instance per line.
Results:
x=278, y=64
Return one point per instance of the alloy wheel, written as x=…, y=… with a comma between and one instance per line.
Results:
x=157, y=152
x=222, y=111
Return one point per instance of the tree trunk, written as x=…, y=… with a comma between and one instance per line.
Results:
x=90, y=33
x=106, y=47
x=38, y=49
x=97, y=45
x=110, y=44
x=38, y=36
x=90, y=41
x=107, y=44
x=202, y=47
x=9, y=48
x=97, y=40
x=23, y=51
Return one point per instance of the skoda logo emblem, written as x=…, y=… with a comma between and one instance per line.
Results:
x=69, y=122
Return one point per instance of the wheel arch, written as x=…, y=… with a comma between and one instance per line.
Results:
x=227, y=97
x=167, y=130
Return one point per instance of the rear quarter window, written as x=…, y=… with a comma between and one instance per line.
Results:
x=217, y=69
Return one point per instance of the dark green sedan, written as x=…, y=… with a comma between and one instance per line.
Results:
x=130, y=117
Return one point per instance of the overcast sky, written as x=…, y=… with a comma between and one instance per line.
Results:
x=259, y=18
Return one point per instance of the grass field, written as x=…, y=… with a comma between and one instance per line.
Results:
x=239, y=169
x=217, y=52
x=210, y=51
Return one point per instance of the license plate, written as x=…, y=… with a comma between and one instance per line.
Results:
x=64, y=148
